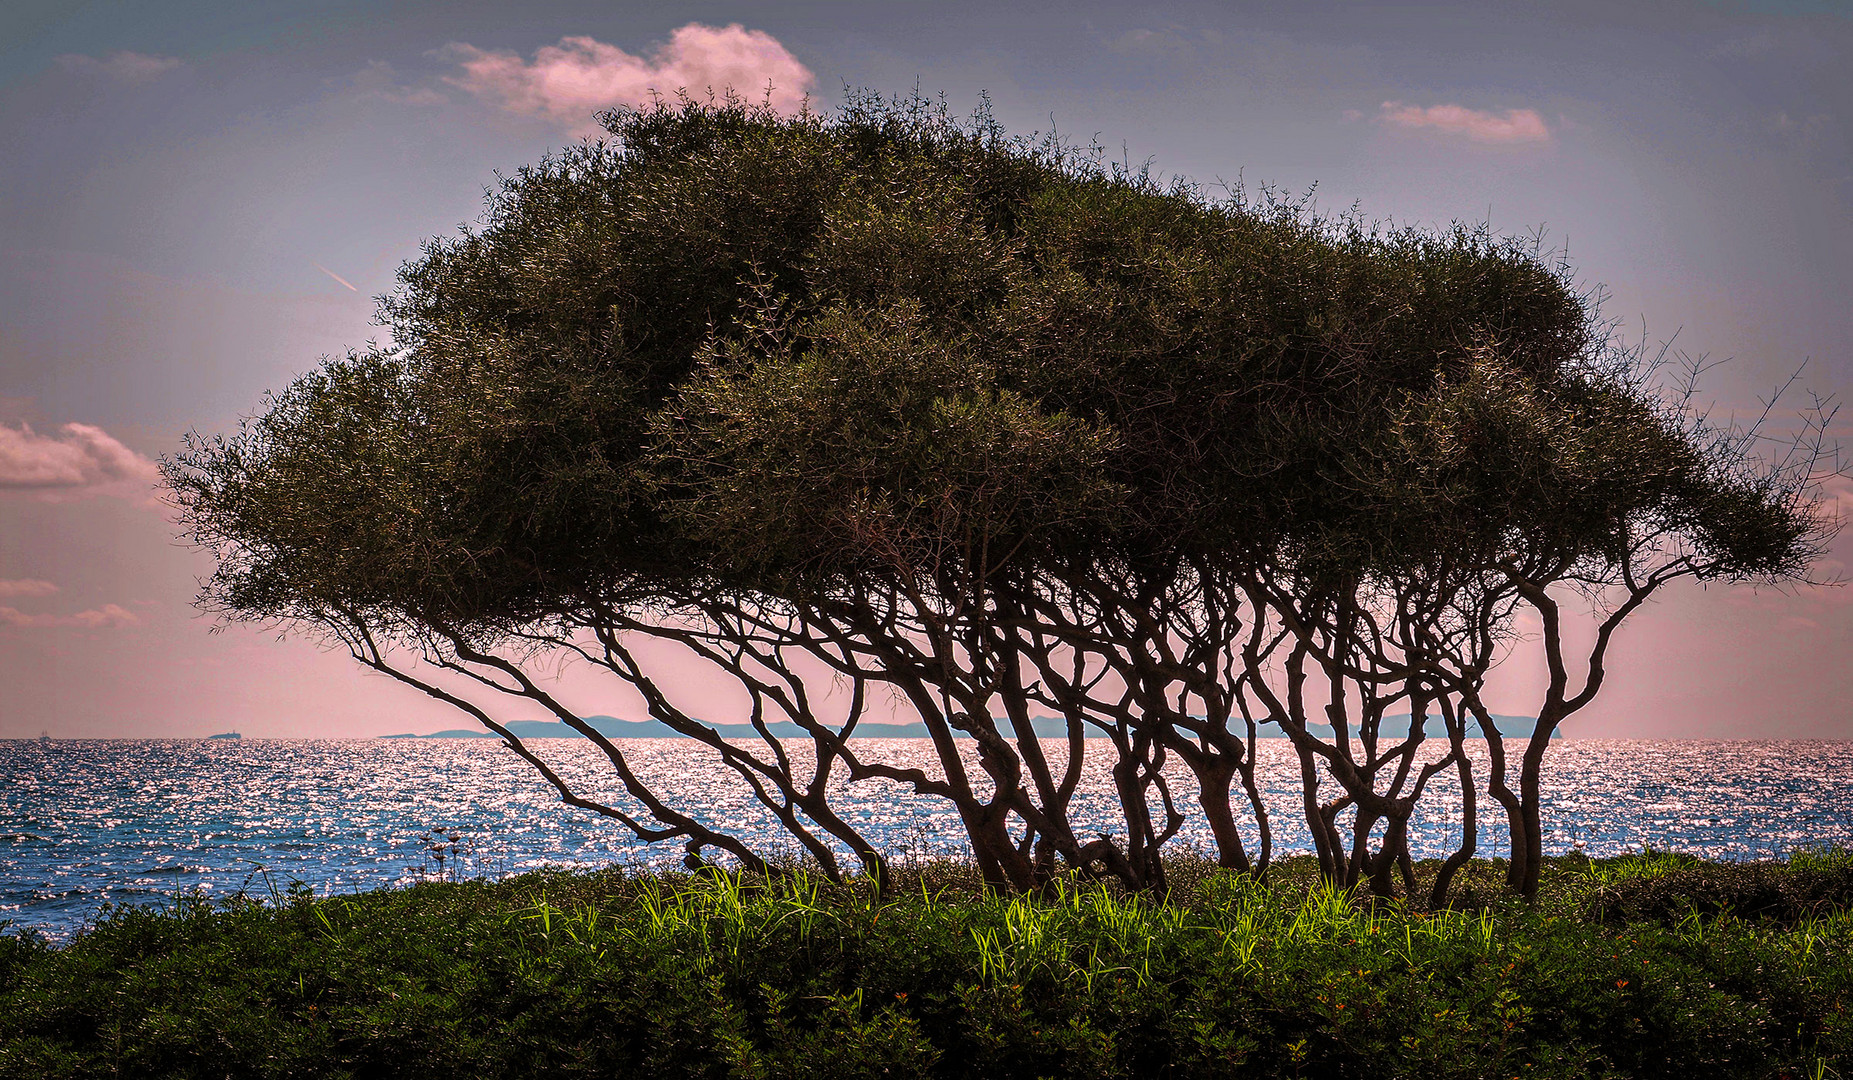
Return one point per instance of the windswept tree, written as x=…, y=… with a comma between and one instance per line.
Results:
x=881, y=407
x=1613, y=493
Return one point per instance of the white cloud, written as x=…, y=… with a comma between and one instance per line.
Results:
x=122, y=66
x=109, y=615
x=570, y=81
x=1511, y=126
x=26, y=587
x=79, y=458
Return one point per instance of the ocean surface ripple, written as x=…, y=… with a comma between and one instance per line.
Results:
x=84, y=823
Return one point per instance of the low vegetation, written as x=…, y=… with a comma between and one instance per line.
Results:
x=1649, y=965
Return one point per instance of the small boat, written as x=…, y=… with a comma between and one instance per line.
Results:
x=44, y=737
x=224, y=735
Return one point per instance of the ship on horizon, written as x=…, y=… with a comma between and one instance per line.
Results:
x=224, y=735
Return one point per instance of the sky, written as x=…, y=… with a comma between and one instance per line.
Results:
x=201, y=200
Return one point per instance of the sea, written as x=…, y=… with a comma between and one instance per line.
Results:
x=90, y=824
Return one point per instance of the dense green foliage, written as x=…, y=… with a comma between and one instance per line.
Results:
x=732, y=346
x=608, y=975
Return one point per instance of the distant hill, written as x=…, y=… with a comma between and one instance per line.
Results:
x=1046, y=726
x=1396, y=727
x=613, y=728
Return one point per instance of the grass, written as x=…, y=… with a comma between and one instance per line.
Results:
x=1642, y=966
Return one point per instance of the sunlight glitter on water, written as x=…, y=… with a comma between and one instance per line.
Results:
x=125, y=821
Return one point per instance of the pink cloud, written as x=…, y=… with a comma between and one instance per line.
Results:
x=1512, y=126
x=122, y=66
x=79, y=458
x=26, y=587
x=338, y=278
x=109, y=615
x=380, y=82
x=570, y=81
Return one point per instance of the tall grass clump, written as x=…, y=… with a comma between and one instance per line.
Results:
x=719, y=974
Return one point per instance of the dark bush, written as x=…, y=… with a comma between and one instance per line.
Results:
x=1784, y=893
x=721, y=976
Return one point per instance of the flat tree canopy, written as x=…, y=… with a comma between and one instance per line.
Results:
x=877, y=362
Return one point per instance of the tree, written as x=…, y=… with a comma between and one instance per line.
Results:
x=1684, y=500
x=972, y=422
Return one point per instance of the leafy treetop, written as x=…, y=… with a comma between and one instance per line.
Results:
x=730, y=349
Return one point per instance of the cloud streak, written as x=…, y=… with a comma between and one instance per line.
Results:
x=337, y=277
x=80, y=458
x=570, y=81
x=106, y=617
x=124, y=66
x=26, y=587
x=1511, y=126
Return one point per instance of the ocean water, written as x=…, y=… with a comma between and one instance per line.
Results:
x=84, y=823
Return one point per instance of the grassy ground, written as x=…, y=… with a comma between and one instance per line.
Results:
x=1643, y=966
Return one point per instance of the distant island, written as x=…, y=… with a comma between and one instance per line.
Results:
x=1047, y=727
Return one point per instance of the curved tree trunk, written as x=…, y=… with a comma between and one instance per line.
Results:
x=1531, y=807
x=1215, y=794
x=1470, y=833
x=1264, y=827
